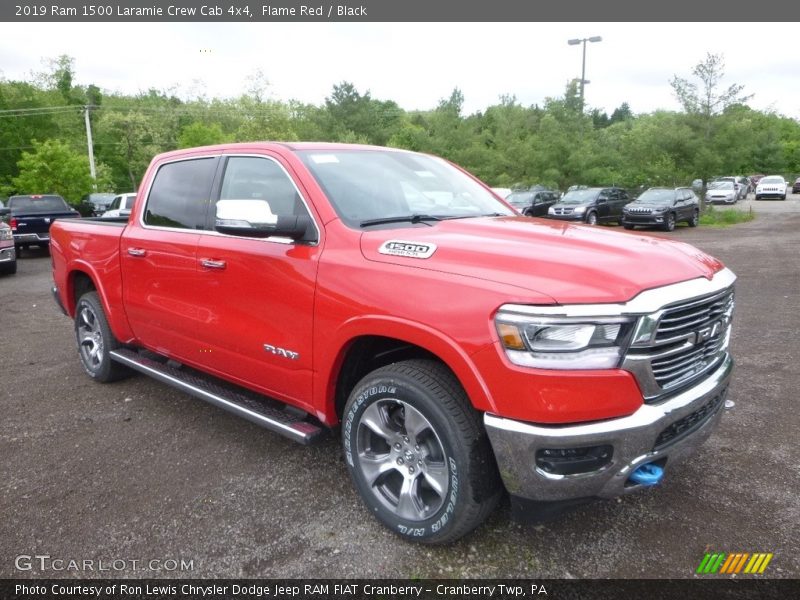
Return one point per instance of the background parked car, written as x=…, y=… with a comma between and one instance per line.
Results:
x=662, y=207
x=591, y=205
x=99, y=201
x=740, y=184
x=773, y=186
x=722, y=190
x=796, y=186
x=120, y=206
x=8, y=255
x=31, y=217
x=533, y=202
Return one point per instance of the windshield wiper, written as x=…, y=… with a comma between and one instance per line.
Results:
x=416, y=218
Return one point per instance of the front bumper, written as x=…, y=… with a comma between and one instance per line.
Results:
x=569, y=217
x=631, y=219
x=663, y=433
x=8, y=254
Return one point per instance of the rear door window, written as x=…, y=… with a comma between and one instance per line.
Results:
x=180, y=194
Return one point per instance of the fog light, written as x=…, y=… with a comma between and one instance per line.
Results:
x=571, y=461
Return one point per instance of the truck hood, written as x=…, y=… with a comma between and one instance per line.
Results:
x=568, y=263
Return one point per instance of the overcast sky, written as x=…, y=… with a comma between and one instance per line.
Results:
x=415, y=64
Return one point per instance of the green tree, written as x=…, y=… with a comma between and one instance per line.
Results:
x=53, y=168
x=201, y=134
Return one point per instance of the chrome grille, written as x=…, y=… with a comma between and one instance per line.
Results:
x=639, y=210
x=689, y=317
x=686, y=340
x=563, y=211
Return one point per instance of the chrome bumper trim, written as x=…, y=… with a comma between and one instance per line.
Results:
x=633, y=438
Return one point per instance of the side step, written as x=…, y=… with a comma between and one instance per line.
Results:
x=241, y=403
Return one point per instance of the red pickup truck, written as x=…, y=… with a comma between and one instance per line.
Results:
x=462, y=350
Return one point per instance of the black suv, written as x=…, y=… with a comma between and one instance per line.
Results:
x=662, y=207
x=591, y=205
x=533, y=202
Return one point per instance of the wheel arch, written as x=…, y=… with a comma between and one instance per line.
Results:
x=373, y=343
x=83, y=278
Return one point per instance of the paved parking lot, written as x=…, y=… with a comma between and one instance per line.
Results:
x=137, y=471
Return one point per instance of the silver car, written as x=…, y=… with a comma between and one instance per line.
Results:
x=722, y=191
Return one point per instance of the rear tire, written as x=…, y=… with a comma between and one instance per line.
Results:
x=695, y=220
x=417, y=452
x=9, y=268
x=95, y=340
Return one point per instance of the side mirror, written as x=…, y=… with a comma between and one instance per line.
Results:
x=254, y=218
x=4, y=211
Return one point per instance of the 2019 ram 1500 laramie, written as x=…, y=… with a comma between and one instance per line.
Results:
x=460, y=349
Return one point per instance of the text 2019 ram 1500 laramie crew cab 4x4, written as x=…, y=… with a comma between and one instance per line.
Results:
x=461, y=349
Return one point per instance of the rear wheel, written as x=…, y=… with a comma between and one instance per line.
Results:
x=95, y=340
x=695, y=220
x=417, y=452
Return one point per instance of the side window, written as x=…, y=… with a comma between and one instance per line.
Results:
x=180, y=194
x=114, y=203
x=253, y=178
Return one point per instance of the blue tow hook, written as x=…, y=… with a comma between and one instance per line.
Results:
x=648, y=474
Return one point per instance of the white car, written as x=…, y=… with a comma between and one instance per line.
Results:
x=723, y=190
x=773, y=186
x=120, y=206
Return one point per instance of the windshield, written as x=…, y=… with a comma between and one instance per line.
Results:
x=721, y=185
x=771, y=180
x=372, y=184
x=656, y=197
x=579, y=197
x=37, y=204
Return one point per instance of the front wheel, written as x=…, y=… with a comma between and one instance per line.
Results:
x=95, y=340
x=591, y=218
x=669, y=224
x=418, y=454
x=627, y=226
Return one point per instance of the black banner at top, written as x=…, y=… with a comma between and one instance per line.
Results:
x=107, y=11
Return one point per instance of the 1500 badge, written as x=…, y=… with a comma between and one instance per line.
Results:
x=409, y=249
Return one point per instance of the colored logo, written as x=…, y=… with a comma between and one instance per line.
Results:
x=732, y=563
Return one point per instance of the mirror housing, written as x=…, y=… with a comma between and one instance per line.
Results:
x=4, y=211
x=254, y=218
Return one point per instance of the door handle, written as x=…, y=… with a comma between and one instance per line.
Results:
x=212, y=264
x=137, y=251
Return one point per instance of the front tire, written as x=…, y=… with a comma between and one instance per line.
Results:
x=418, y=454
x=95, y=340
x=591, y=218
x=627, y=226
x=669, y=224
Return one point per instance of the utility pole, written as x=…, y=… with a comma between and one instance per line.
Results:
x=91, y=145
x=575, y=42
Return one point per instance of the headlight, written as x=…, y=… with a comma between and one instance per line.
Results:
x=5, y=234
x=580, y=209
x=551, y=211
x=564, y=343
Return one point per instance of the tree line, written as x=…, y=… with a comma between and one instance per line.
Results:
x=43, y=145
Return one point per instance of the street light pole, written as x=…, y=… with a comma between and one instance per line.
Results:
x=575, y=42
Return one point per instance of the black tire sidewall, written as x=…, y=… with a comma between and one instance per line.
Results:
x=589, y=218
x=105, y=371
x=374, y=389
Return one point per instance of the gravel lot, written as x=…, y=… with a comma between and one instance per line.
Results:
x=135, y=471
